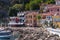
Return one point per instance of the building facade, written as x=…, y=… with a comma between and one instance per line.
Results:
x=30, y=19
x=56, y=21
x=21, y=15
x=54, y=9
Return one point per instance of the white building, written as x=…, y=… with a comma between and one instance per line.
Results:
x=21, y=15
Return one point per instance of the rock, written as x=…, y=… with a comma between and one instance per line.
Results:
x=40, y=39
x=36, y=34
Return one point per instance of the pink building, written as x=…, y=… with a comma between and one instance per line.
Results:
x=53, y=9
x=30, y=19
x=44, y=15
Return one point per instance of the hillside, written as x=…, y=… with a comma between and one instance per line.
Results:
x=8, y=5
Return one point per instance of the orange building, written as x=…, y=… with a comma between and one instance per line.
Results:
x=30, y=19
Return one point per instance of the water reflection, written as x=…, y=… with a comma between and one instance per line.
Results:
x=13, y=37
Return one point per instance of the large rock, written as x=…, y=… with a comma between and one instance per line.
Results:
x=36, y=34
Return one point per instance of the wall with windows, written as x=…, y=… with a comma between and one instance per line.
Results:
x=31, y=19
x=21, y=15
x=56, y=21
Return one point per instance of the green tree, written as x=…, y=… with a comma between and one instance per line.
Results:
x=14, y=9
x=13, y=12
x=39, y=20
x=27, y=6
x=18, y=7
x=39, y=17
x=50, y=1
x=33, y=5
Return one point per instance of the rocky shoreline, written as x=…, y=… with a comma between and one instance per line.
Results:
x=36, y=34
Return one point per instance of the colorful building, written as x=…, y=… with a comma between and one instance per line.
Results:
x=46, y=17
x=54, y=9
x=21, y=16
x=56, y=21
x=30, y=19
x=51, y=10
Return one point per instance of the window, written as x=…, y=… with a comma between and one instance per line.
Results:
x=22, y=16
x=51, y=10
x=57, y=9
x=47, y=10
x=26, y=16
x=57, y=13
x=21, y=20
x=49, y=17
x=26, y=21
x=34, y=16
x=30, y=21
x=30, y=16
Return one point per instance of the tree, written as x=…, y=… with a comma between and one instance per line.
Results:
x=27, y=6
x=33, y=5
x=50, y=2
x=13, y=12
x=39, y=17
x=18, y=7
x=39, y=20
x=14, y=9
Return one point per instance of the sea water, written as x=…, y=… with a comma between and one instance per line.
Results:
x=11, y=38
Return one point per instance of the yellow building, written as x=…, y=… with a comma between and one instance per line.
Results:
x=56, y=21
